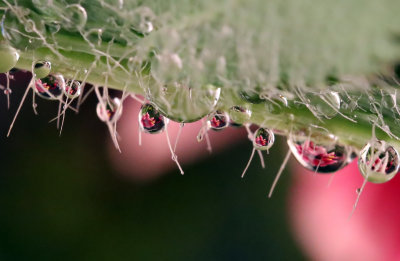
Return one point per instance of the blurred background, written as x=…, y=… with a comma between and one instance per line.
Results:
x=67, y=198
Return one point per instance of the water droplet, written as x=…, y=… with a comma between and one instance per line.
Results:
x=378, y=162
x=74, y=17
x=50, y=87
x=7, y=91
x=9, y=58
x=181, y=103
x=142, y=20
x=239, y=115
x=322, y=154
x=218, y=120
x=41, y=69
x=358, y=191
x=112, y=111
x=150, y=119
x=72, y=89
x=263, y=139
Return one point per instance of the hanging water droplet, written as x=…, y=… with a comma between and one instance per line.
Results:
x=218, y=120
x=41, y=69
x=322, y=154
x=263, y=139
x=239, y=115
x=74, y=17
x=50, y=87
x=181, y=103
x=9, y=57
x=112, y=111
x=150, y=119
x=378, y=162
x=72, y=89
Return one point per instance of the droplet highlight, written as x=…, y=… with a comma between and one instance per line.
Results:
x=9, y=58
x=41, y=69
x=263, y=139
x=218, y=120
x=72, y=89
x=321, y=155
x=150, y=119
x=109, y=111
x=50, y=87
x=239, y=115
x=378, y=162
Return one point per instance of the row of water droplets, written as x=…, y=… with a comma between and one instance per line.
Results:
x=378, y=161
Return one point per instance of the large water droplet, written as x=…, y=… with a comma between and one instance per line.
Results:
x=150, y=119
x=8, y=57
x=41, y=69
x=50, y=87
x=109, y=111
x=72, y=89
x=239, y=115
x=184, y=104
x=378, y=162
x=263, y=139
x=320, y=154
x=218, y=120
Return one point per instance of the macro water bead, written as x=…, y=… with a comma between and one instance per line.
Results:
x=239, y=115
x=218, y=120
x=41, y=69
x=150, y=119
x=72, y=89
x=319, y=155
x=378, y=162
x=109, y=111
x=263, y=139
x=50, y=87
x=8, y=57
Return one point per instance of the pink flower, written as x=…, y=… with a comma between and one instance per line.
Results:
x=147, y=121
x=316, y=155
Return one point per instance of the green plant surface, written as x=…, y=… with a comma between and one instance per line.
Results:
x=298, y=49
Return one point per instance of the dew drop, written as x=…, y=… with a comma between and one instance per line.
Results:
x=72, y=89
x=263, y=139
x=322, y=154
x=239, y=115
x=150, y=119
x=218, y=120
x=181, y=103
x=378, y=162
x=112, y=112
x=142, y=20
x=50, y=87
x=9, y=58
x=41, y=69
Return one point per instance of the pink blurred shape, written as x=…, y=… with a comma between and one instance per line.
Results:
x=321, y=216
